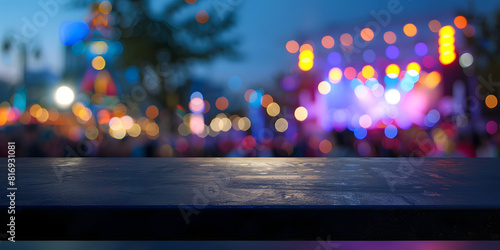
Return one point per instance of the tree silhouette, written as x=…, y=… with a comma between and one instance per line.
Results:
x=166, y=48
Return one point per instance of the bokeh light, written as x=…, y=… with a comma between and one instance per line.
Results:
x=367, y=34
x=434, y=26
x=64, y=96
x=196, y=105
x=152, y=111
x=392, y=52
x=413, y=69
x=292, y=46
x=325, y=146
x=390, y=37
x=202, y=16
x=273, y=109
x=390, y=131
x=221, y=103
x=266, y=100
x=460, y=22
x=368, y=71
x=491, y=101
x=346, y=39
x=335, y=75
x=421, y=49
x=324, y=87
x=365, y=121
x=281, y=125
x=392, y=96
x=369, y=56
x=392, y=71
x=98, y=63
x=466, y=60
x=432, y=79
x=491, y=127
x=301, y=113
x=328, y=42
x=350, y=73
x=410, y=30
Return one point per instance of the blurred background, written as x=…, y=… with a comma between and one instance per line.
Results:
x=250, y=78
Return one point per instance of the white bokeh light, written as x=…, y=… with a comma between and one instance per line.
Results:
x=392, y=96
x=64, y=96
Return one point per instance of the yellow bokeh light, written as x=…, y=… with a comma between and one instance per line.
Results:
x=392, y=71
x=152, y=129
x=281, y=125
x=127, y=122
x=335, y=75
x=42, y=115
x=446, y=31
x=301, y=113
x=134, y=131
x=34, y=109
x=446, y=41
x=105, y=7
x=98, y=63
x=273, y=109
x=324, y=87
x=367, y=34
x=91, y=133
x=115, y=123
x=99, y=48
x=368, y=72
x=118, y=133
x=447, y=58
x=491, y=101
x=413, y=69
x=306, y=58
x=306, y=66
x=410, y=30
x=244, y=124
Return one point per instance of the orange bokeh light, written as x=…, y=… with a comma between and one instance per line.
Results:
x=410, y=30
x=460, y=22
x=222, y=103
x=152, y=112
x=367, y=34
x=292, y=46
x=328, y=42
x=202, y=16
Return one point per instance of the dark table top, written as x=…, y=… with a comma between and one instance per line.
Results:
x=256, y=181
